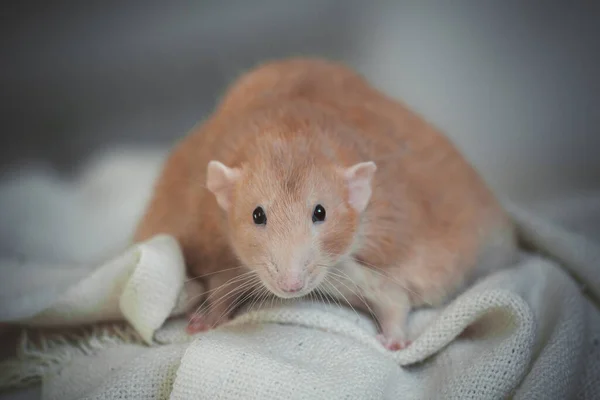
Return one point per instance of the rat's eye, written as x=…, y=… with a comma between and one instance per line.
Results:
x=318, y=214
x=259, y=216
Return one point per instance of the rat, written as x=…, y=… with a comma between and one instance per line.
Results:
x=306, y=179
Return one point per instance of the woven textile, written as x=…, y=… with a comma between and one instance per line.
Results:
x=532, y=334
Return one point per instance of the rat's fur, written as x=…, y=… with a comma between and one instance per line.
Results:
x=285, y=136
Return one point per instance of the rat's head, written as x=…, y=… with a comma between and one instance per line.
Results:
x=290, y=222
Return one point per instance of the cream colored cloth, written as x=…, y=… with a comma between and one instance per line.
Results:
x=532, y=334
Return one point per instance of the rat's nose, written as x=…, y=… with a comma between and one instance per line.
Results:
x=292, y=286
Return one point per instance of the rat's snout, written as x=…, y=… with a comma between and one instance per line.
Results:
x=291, y=281
x=292, y=275
x=291, y=285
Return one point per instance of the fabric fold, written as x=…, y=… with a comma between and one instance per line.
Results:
x=526, y=331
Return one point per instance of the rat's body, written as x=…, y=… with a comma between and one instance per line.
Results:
x=407, y=221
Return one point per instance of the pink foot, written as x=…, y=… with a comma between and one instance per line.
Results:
x=197, y=323
x=200, y=322
x=393, y=344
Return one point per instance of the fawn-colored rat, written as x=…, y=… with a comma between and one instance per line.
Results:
x=306, y=178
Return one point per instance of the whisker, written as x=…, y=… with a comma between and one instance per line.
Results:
x=360, y=296
x=231, y=281
x=323, y=297
x=266, y=298
x=237, y=302
x=249, y=283
x=335, y=300
x=213, y=273
x=318, y=296
x=346, y=300
x=272, y=301
x=247, y=280
x=261, y=295
x=252, y=298
x=251, y=286
x=381, y=272
x=227, y=311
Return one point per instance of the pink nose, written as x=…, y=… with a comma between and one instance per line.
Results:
x=292, y=286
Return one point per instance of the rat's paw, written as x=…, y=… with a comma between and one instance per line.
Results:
x=196, y=323
x=393, y=333
x=393, y=343
x=201, y=322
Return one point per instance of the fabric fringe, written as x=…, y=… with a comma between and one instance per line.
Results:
x=42, y=352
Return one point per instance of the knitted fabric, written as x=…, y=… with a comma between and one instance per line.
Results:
x=532, y=334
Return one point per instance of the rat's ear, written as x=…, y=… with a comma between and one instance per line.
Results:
x=358, y=180
x=220, y=180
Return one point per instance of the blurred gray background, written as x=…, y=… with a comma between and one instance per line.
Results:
x=515, y=84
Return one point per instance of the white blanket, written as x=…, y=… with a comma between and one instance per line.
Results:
x=533, y=333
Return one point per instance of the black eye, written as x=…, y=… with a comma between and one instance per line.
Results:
x=318, y=214
x=259, y=216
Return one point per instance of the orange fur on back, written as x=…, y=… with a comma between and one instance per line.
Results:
x=430, y=220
